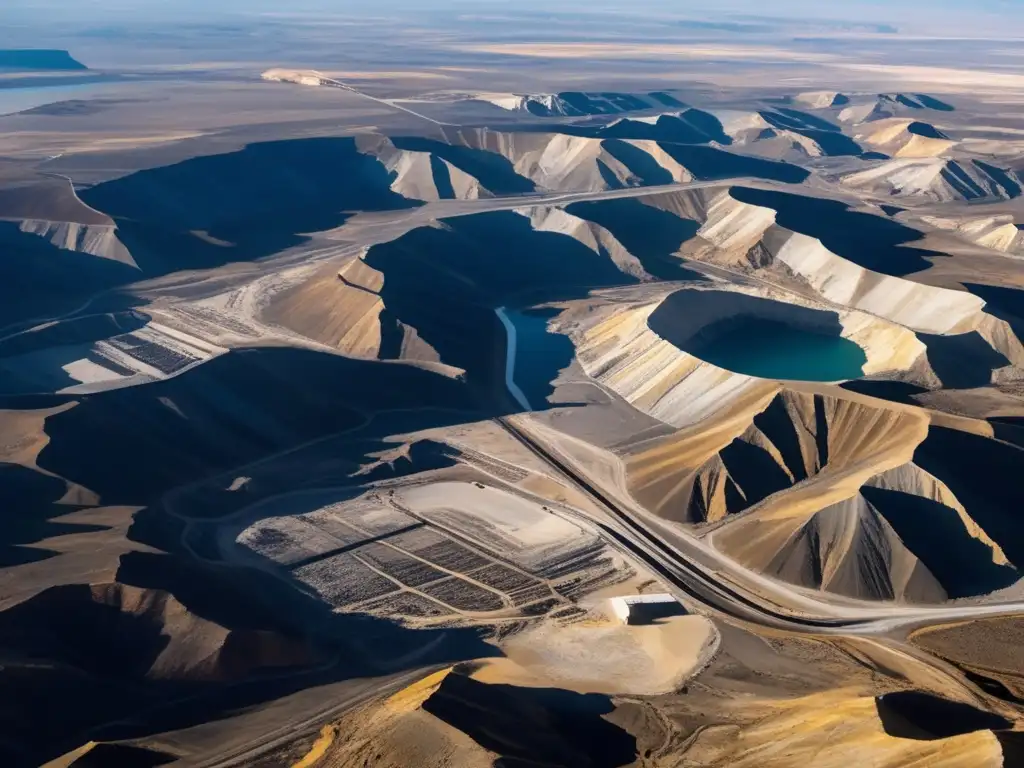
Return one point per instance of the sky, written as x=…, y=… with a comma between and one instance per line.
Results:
x=953, y=16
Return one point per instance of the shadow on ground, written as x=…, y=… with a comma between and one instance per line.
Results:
x=81, y=661
x=922, y=716
x=870, y=241
x=534, y=726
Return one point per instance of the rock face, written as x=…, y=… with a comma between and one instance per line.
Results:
x=822, y=492
x=905, y=138
x=821, y=99
x=998, y=232
x=936, y=180
x=94, y=239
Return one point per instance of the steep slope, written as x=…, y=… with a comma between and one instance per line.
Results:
x=886, y=105
x=754, y=134
x=57, y=249
x=566, y=162
x=431, y=293
x=690, y=126
x=449, y=718
x=638, y=347
x=338, y=307
x=998, y=232
x=52, y=210
x=792, y=237
x=210, y=211
x=812, y=133
x=821, y=99
x=88, y=654
x=94, y=239
x=422, y=175
x=815, y=489
x=848, y=516
x=937, y=180
x=905, y=138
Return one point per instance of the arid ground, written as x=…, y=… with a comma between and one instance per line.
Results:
x=352, y=367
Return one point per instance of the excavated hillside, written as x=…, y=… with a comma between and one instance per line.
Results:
x=919, y=176
x=802, y=350
x=88, y=654
x=836, y=494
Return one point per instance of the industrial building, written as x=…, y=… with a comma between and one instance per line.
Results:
x=645, y=609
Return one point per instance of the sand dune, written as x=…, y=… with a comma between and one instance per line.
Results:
x=483, y=163
x=563, y=162
x=821, y=99
x=731, y=715
x=789, y=736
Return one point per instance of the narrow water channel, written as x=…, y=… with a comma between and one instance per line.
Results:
x=536, y=355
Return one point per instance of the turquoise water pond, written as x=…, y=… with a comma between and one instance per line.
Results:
x=773, y=350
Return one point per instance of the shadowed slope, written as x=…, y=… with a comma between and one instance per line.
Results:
x=244, y=205
x=983, y=474
x=962, y=361
x=38, y=279
x=872, y=242
x=133, y=444
x=650, y=234
x=446, y=281
x=710, y=164
x=494, y=172
x=527, y=726
x=821, y=492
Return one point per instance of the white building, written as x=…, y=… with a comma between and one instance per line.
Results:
x=644, y=609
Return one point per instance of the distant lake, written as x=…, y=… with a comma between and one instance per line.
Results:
x=18, y=98
x=773, y=350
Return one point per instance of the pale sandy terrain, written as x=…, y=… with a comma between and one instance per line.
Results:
x=645, y=50
x=611, y=659
x=941, y=79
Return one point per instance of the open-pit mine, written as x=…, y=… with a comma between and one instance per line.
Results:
x=455, y=413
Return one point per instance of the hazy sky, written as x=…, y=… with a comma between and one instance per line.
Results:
x=952, y=16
